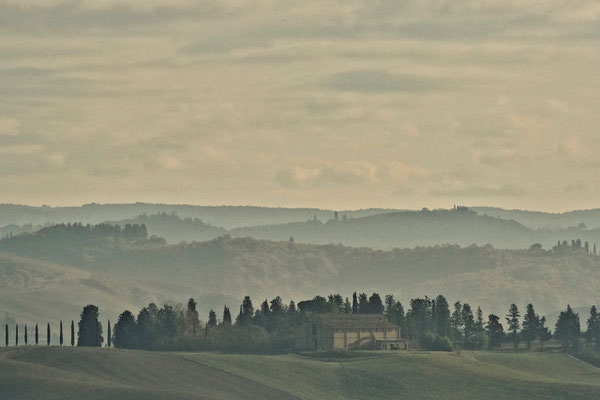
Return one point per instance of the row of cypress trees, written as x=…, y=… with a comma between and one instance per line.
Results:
x=89, y=333
x=37, y=335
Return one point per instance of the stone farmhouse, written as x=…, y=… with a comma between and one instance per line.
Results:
x=349, y=332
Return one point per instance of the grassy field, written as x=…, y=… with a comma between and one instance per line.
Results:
x=65, y=373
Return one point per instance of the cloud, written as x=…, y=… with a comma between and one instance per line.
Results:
x=460, y=189
x=334, y=175
x=376, y=81
x=9, y=126
x=342, y=101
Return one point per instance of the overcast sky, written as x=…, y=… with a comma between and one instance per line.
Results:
x=337, y=104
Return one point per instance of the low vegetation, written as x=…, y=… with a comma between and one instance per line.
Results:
x=64, y=373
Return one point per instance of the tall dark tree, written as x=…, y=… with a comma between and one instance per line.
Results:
x=593, y=327
x=108, y=335
x=531, y=325
x=375, y=304
x=389, y=307
x=37, y=335
x=48, y=335
x=147, y=321
x=60, y=336
x=363, y=303
x=264, y=308
x=495, y=331
x=276, y=306
x=125, y=333
x=72, y=333
x=354, y=304
x=6, y=335
x=480, y=330
x=292, y=309
x=90, y=329
x=212, y=318
x=25, y=335
x=419, y=316
x=441, y=316
x=347, y=307
x=168, y=323
x=457, y=324
x=512, y=319
x=337, y=302
x=568, y=330
x=469, y=328
x=227, y=316
x=17, y=335
x=192, y=316
x=246, y=311
x=544, y=333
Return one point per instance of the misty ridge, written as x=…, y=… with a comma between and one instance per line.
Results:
x=128, y=262
x=375, y=228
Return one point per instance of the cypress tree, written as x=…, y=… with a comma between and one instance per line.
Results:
x=495, y=331
x=512, y=319
x=544, y=333
x=60, y=337
x=109, y=334
x=567, y=330
x=72, y=333
x=17, y=335
x=90, y=329
x=212, y=318
x=6, y=335
x=226, y=316
x=37, y=335
x=25, y=337
x=48, y=334
x=354, y=304
x=531, y=325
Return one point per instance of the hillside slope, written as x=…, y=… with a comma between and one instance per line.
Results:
x=223, y=270
x=401, y=229
x=34, y=291
x=228, y=217
x=66, y=373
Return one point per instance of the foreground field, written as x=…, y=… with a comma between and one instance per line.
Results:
x=67, y=373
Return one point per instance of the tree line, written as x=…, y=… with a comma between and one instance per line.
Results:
x=428, y=323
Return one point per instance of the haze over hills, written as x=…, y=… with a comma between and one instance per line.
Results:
x=376, y=228
x=227, y=217
x=136, y=270
x=545, y=220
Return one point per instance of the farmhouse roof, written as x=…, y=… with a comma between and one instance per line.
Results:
x=354, y=321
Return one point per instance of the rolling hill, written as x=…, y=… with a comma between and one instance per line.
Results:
x=228, y=217
x=67, y=373
x=221, y=271
x=376, y=228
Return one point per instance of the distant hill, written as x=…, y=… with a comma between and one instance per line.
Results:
x=376, y=228
x=420, y=228
x=224, y=216
x=543, y=220
x=174, y=228
x=401, y=229
x=225, y=269
x=78, y=373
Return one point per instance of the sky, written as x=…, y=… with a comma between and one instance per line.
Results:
x=332, y=104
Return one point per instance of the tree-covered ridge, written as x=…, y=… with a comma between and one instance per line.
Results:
x=227, y=266
x=428, y=324
x=175, y=229
x=388, y=230
x=75, y=243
